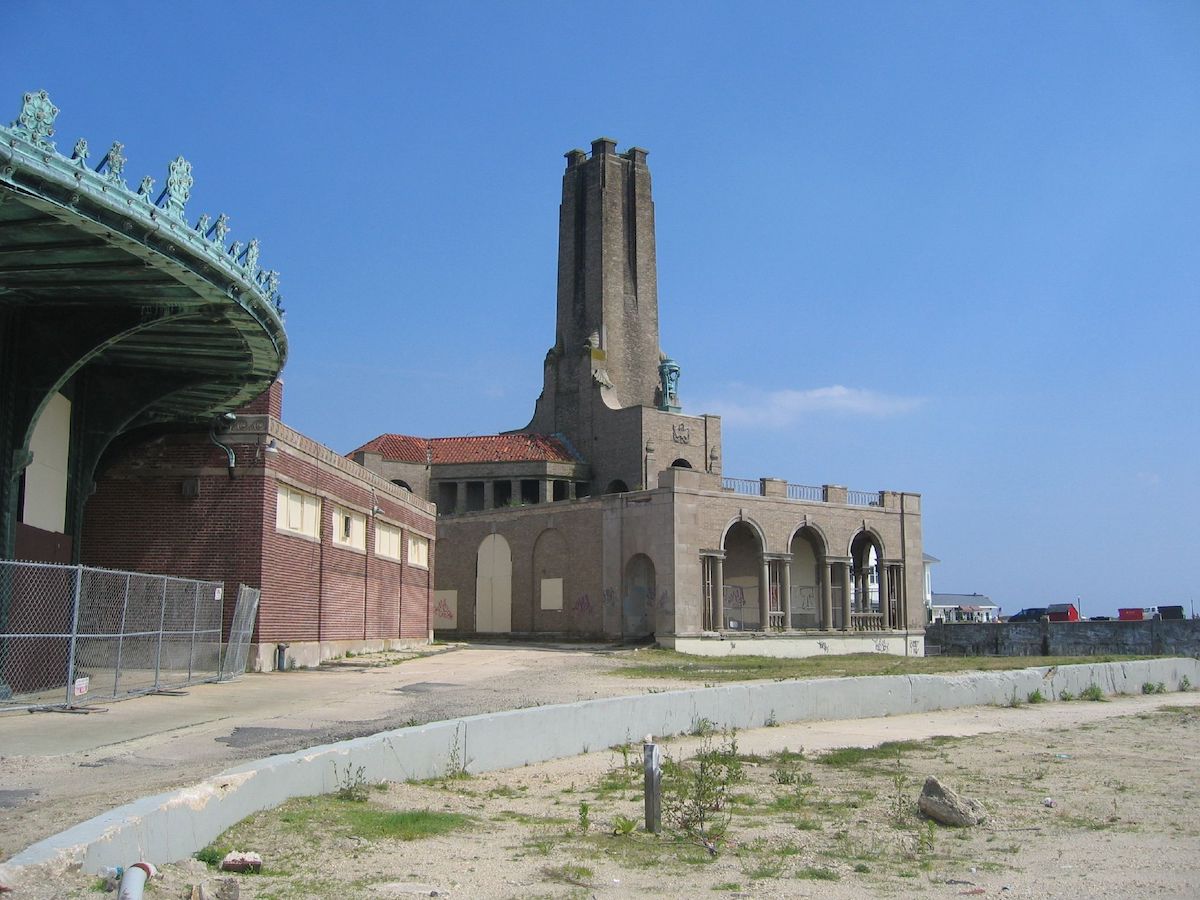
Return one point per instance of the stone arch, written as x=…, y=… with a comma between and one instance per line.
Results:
x=637, y=596
x=616, y=486
x=401, y=483
x=807, y=575
x=743, y=543
x=681, y=463
x=493, y=585
x=551, y=563
x=866, y=551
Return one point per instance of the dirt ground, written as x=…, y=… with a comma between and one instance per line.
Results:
x=1085, y=799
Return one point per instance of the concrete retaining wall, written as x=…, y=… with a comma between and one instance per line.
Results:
x=1180, y=637
x=169, y=827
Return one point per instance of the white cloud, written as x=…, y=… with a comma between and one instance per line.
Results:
x=751, y=406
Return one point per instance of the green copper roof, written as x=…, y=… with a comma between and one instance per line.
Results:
x=77, y=241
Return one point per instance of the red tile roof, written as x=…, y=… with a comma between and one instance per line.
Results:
x=479, y=448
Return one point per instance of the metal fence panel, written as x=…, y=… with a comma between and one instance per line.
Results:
x=241, y=628
x=71, y=635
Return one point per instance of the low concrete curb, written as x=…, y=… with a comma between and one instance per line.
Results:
x=172, y=826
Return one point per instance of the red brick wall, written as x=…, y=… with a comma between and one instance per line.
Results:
x=139, y=519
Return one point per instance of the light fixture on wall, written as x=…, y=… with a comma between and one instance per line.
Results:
x=271, y=446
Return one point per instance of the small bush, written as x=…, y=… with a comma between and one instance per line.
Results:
x=1153, y=687
x=1036, y=696
x=351, y=783
x=1185, y=684
x=1092, y=692
x=211, y=855
x=623, y=825
x=1066, y=696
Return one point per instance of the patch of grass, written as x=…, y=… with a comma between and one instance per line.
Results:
x=410, y=825
x=1153, y=687
x=568, y=873
x=818, y=873
x=844, y=757
x=1036, y=696
x=731, y=886
x=656, y=663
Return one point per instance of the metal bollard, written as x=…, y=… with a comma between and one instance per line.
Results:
x=653, y=767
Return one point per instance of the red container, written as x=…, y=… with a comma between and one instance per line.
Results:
x=1129, y=615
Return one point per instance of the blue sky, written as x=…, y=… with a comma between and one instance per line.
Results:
x=941, y=247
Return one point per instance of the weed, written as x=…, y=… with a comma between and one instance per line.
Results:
x=211, y=855
x=623, y=825
x=1066, y=696
x=808, y=825
x=1092, y=692
x=732, y=886
x=1014, y=702
x=856, y=756
x=351, y=783
x=785, y=773
x=1185, y=684
x=926, y=843
x=585, y=810
x=771, y=721
x=1035, y=696
x=456, y=764
x=862, y=868
x=702, y=727
x=1153, y=687
x=696, y=795
x=900, y=801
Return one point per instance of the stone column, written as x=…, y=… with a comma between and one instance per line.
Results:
x=785, y=591
x=885, y=605
x=545, y=491
x=516, y=491
x=718, y=583
x=844, y=576
x=460, y=497
x=827, y=597
x=489, y=495
x=901, y=596
x=764, y=593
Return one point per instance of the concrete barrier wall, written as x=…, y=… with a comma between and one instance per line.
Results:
x=1180, y=637
x=172, y=826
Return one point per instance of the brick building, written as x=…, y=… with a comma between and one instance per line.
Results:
x=608, y=515
x=344, y=558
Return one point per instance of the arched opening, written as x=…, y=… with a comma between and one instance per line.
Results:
x=681, y=463
x=807, y=571
x=637, y=598
x=401, y=483
x=740, y=589
x=551, y=563
x=493, y=585
x=616, y=486
x=865, y=554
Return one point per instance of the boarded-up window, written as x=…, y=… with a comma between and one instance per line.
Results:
x=387, y=540
x=298, y=512
x=349, y=528
x=418, y=551
x=552, y=591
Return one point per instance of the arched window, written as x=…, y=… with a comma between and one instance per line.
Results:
x=681, y=463
x=401, y=484
x=617, y=486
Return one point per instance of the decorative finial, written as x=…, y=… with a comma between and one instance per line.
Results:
x=36, y=122
x=113, y=163
x=179, y=185
x=80, y=154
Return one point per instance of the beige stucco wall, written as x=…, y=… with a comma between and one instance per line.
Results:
x=46, y=477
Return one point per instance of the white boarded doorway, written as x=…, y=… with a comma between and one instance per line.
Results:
x=493, y=585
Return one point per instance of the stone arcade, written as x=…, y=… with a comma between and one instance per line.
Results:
x=608, y=515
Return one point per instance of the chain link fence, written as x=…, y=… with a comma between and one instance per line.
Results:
x=73, y=635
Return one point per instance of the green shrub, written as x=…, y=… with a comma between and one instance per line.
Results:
x=1092, y=692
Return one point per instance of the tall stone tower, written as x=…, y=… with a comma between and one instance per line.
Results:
x=607, y=328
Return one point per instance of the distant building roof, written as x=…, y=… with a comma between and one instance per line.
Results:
x=474, y=449
x=971, y=600
x=925, y=557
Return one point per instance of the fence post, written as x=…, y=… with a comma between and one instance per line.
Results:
x=195, y=615
x=162, y=614
x=74, y=634
x=653, y=770
x=121, y=637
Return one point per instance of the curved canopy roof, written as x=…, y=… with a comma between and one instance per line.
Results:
x=113, y=280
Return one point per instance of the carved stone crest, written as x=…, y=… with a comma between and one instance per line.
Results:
x=681, y=433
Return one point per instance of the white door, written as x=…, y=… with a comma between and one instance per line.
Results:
x=493, y=586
